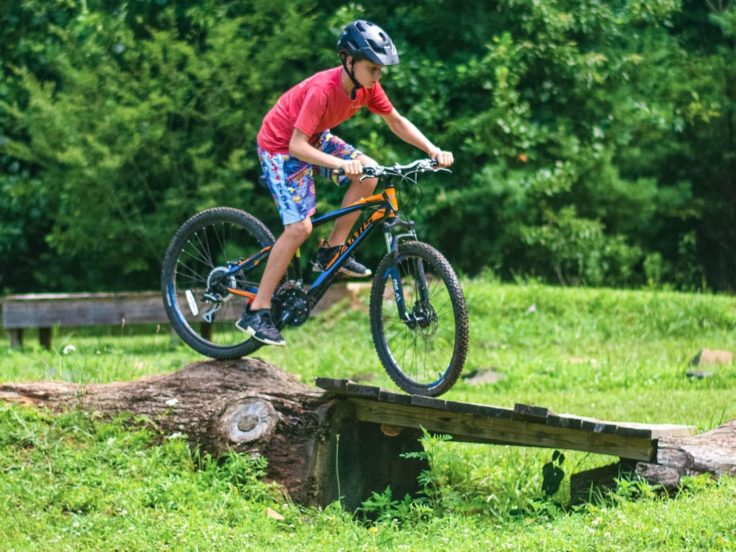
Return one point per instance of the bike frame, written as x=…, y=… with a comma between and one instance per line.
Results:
x=386, y=213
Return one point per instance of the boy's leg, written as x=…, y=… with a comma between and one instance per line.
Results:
x=357, y=189
x=282, y=252
x=292, y=186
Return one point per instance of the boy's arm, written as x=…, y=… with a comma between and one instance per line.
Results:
x=405, y=129
x=300, y=148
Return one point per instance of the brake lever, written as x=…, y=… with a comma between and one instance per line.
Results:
x=370, y=171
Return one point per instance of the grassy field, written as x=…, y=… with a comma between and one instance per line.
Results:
x=74, y=482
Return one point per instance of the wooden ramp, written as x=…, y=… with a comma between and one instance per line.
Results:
x=524, y=425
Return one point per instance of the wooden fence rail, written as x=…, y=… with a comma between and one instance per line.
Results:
x=44, y=311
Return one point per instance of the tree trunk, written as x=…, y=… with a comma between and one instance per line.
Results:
x=242, y=405
x=711, y=452
x=250, y=406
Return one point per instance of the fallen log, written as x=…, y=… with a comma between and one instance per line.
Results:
x=250, y=406
x=712, y=452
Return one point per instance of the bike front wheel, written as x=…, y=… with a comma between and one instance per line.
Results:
x=419, y=320
x=203, y=297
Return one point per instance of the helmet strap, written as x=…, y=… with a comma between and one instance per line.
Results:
x=351, y=73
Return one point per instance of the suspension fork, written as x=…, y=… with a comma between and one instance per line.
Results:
x=392, y=244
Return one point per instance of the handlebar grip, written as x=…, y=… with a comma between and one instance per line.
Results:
x=367, y=171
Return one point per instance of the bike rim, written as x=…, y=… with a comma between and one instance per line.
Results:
x=201, y=267
x=422, y=348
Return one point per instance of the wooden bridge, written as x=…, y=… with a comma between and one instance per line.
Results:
x=524, y=425
x=403, y=416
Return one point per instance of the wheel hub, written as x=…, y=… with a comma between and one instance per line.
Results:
x=217, y=283
x=423, y=317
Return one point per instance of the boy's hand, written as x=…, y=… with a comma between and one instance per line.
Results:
x=443, y=158
x=352, y=167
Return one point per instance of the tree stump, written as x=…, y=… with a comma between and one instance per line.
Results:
x=711, y=452
x=252, y=407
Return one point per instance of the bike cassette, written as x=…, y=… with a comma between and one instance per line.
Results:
x=290, y=305
x=218, y=281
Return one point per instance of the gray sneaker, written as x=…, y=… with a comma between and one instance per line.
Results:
x=350, y=267
x=259, y=325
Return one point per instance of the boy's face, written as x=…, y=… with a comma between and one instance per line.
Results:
x=367, y=73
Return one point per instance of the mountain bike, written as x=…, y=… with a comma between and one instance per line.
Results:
x=417, y=311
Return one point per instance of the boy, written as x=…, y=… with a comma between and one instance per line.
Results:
x=295, y=137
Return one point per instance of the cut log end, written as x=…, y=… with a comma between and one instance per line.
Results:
x=712, y=452
x=248, y=421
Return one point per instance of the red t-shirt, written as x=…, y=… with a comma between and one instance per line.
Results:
x=314, y=105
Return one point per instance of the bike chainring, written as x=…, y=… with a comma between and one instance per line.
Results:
x=290, y=305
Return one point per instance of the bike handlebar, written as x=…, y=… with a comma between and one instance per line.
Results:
x=415, y=167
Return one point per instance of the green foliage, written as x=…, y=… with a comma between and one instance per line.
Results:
x=594, y=141
x=137, y=134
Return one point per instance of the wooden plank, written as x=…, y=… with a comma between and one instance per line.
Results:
x=347, y=388
x=357, y=390
x=429, y=402
x=530, y=413
x=659, y=431
x=500, y=430
x=84, y=309
x=396, y=398
x=652, y=431
x=480, y=409
x=569, y=422
x=330, y=384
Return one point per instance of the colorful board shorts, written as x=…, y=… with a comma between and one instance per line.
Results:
x=291, y=181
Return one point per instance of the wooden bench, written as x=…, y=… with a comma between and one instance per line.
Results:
x=43, y=311
x=46, y=310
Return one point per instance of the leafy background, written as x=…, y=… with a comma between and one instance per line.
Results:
x=594, y=142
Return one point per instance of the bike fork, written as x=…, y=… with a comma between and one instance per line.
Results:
x=392, y=244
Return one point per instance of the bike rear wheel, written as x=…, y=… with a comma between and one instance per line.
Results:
x=194, y=280
x=425, y=351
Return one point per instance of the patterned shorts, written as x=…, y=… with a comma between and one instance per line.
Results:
x=291, y=181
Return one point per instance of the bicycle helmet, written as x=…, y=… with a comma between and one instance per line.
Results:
x=365, y=40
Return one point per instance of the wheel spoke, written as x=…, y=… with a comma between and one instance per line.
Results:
x=420, y=354
x=200, y=256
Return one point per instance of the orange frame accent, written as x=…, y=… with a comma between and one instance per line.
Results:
x=388, y=193
x=241, y=263
x=376, y=216
x=249, y=294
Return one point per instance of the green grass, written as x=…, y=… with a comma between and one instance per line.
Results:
x=75, y=482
